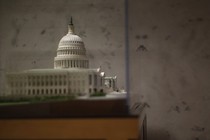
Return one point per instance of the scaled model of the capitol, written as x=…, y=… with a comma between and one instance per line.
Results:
x=71, y=74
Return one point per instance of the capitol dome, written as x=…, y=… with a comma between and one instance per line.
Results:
x=70, y=38
x=71, y=52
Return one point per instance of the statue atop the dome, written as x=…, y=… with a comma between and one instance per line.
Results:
x=71, y=21
x=71, y=27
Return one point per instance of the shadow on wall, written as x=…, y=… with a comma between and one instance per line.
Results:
x=158, y=134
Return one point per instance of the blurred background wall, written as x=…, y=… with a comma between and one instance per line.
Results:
x=170, y=62
x=168, y=48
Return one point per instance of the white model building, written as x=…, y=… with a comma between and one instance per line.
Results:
x=71, y=74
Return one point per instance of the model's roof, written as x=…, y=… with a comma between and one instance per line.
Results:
x=60, y=70
x=44, y=71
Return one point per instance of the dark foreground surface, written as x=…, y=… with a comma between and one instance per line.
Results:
x=66, y=109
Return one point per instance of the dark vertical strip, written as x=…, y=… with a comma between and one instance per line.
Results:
x=127, y=70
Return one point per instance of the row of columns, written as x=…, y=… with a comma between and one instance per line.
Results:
x=71, y=64
x=66, y=52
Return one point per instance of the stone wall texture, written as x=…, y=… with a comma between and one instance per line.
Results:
x=169, y=65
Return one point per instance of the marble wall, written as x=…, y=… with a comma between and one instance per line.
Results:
x=168, y=49
x=170, y=55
